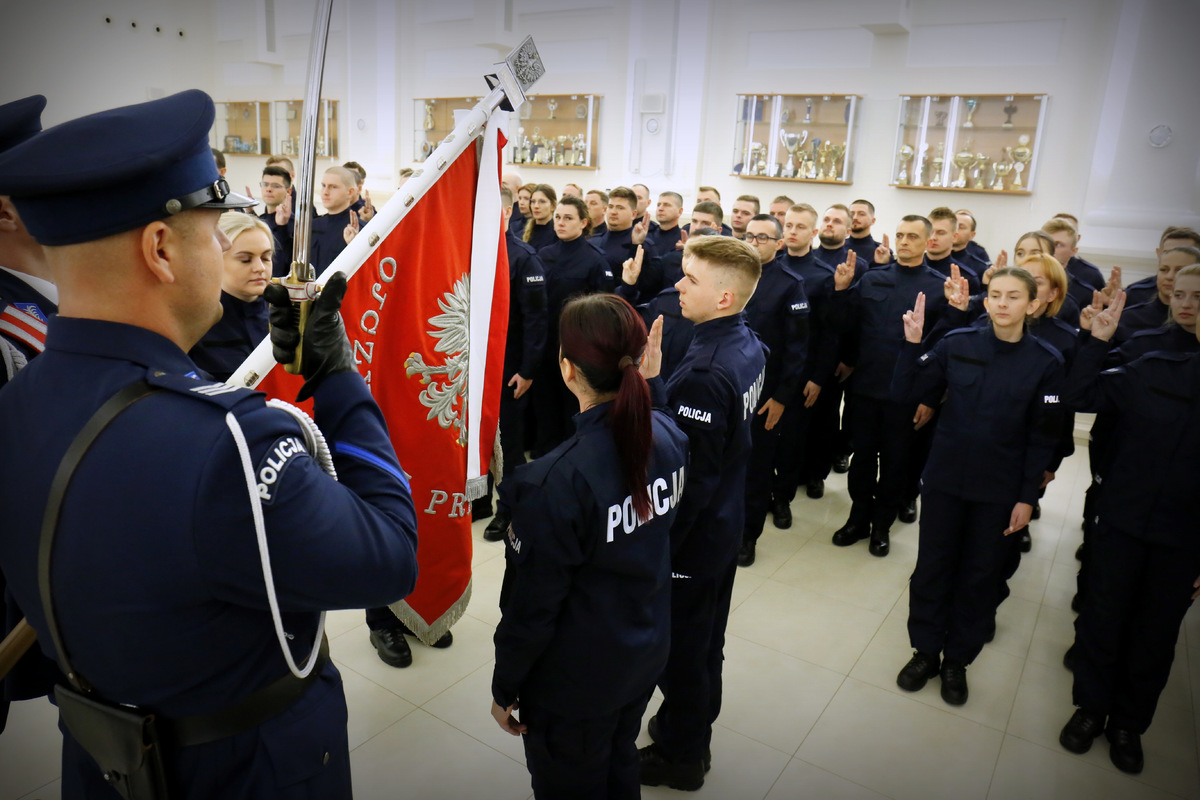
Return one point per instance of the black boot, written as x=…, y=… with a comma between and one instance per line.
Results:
x=497, y=529
x=781, y=514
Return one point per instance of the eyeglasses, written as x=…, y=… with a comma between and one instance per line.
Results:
x=761, y=238
x=265, y=185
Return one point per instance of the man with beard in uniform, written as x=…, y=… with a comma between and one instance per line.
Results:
x=714, y=394
x=778, y=313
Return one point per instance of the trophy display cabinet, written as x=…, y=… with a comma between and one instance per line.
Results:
x=795, y=137
x=288, y=116
x=969, y=143
x=556, y=130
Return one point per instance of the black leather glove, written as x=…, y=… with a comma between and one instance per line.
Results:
x=326, y=348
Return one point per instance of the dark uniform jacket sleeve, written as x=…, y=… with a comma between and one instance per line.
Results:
x=919, y=378
x=531, y=295
x=700, y=403
x=1045, y=427
x=795, y=352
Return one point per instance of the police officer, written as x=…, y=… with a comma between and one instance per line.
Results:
x=1142, y=553
x=522, y=352
x=157, y=575
x=1002, y=398
x=869, y=312
x=27, y=299
x=714, y=394
x=586, y=599
x=778, y=314
x=573, y=265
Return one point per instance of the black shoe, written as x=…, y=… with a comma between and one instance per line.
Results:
x=1069, y=658
x=652, y=729
x=656, y=770
x=1076, y=603
x=850, y=533
x=1079, y=552
x=908, y=512
x=392, y=647
x=1037, y=511
x=745, y=556
x=917, y=672
x=497, y=529
x=1125, y=750
x=781, y=514
x=816, y=489
x=481, y=508
x=954, y=682
x=1024, y=541
x=441, y=644
x=991, y=634
x=880, y=543
x=1080, y=730
x=841, y=465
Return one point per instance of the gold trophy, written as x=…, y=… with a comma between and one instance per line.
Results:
x=1023, y=154
x=429, y=125
x=791, y=142
x=905, y=155
x=826, y=161
x=836, y=166
x=971, y=103
x=552, y=104
x=981, y=168
x=963, y=159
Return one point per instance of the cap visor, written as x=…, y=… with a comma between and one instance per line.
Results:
x=232, y=200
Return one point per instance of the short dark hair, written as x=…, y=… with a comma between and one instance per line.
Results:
x=279, y=172
x=709, y=207
x=219, y=157
x=805, y=208
x=749, y=198
x=768, y=218
x=357, y=169
x=866, y=203
x=272, y=160
x=967, y=211
x=603, y=194
x=1180, y=232
x=783, y=198
x=626, y=194
x=576, y=202
x=712, y=189
x=841, y=207
x=943, y=212
x=919, y=218
x=676, y=196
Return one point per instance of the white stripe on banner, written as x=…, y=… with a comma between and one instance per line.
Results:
x=485, y=244
x=25, y=336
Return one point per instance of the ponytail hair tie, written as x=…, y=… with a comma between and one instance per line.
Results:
x=625, y=362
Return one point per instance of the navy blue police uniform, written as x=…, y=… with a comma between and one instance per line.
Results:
x=516, y=225
x=617, y=247
x=1141, y=291
x=1083, y=279
x=871, y=312
x=805, y=449
x=968, y=271
x=1148, y=315
x=26, y=304
x=228, y=343
x=1142, y=552
x=665, y=241
x=778, y=313
x=838, y=395
x=284, y=237
x=586, y=604
x=677, y=329
x=714, y=393
x=541, y=235
x=1002, y=402
x=157, y=575
x=967, y=258
x=978, y=251
x=572, y=268
x=864, y=247
x=525, y=344
x=328, y=239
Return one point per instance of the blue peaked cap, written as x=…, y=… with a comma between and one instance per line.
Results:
x=20, y=119
x=117, y=170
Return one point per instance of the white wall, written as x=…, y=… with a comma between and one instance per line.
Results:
x=1112, y=70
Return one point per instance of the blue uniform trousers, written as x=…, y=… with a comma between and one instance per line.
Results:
x=583, y=759
x=1126, y=632
x=955, y=587
x=760, y=473
x=691, y=682
x=790, y=453
x=820, y=443
x=843, y=426
x=880, y=470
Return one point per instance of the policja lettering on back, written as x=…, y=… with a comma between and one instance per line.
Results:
x=622, y=514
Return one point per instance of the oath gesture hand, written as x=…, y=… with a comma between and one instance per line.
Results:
x=914, y=321
x=957, y=289
x=632, y=268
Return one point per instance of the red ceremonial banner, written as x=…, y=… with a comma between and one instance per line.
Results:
x=407, y=313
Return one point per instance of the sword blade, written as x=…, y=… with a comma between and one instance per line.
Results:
x=301, y=270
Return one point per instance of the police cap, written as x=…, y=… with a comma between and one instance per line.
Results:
x=117, y=170
x=20, y=120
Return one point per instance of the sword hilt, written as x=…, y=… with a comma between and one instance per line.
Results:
x=302, y=293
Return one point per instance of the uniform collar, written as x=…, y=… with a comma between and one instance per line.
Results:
x=718, y=327
x=593, y=417
x=117, y=341
x=40, y=285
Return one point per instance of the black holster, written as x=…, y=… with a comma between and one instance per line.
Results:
x=124, y=741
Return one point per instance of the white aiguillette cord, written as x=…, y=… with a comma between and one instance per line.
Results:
x=320, y=451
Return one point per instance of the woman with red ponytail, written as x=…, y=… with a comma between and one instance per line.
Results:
x=586, y=599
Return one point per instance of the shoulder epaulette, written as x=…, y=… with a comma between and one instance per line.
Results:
x=222, y=394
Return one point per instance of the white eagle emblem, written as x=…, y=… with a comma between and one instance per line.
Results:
x=453, y=333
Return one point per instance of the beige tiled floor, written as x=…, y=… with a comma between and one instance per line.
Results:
x=811, y=707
